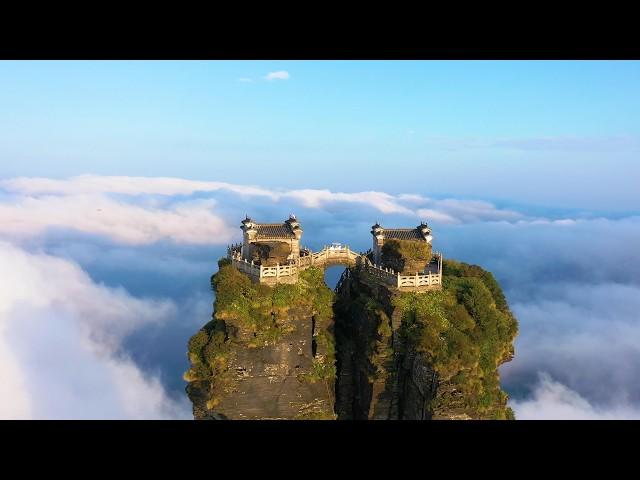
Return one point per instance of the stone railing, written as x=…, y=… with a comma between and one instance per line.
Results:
x=397, y=280
x=260, y=271
x=247, y=267
x=385, y=275
x=278, y=271
x=419, y=280
x=328, y=254
x=344, y=254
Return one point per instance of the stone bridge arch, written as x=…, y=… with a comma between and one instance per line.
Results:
x=330, y=256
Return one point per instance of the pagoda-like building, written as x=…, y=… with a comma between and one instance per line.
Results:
x=271, y=242
x=421, y=233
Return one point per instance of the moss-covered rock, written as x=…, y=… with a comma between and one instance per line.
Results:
x=406, y=256
x=274, y=344
x=464, y=332
x=442, y=360
x=272, y=352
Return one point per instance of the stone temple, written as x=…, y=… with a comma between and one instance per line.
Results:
x=271, y=253
x=422, y=233
x=271, y=243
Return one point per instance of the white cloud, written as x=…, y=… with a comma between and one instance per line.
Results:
x=473, y=210
x=572, y=283
x=245, y=80
x=551, y=400
x=584, y=334
x=93, y=184
x=435, y=215
x=381, y=201
x=575, y=289
x=60, y=337
x=188, y=222
x=546, y=221
x=412, y=198
x=142, y=210
x=279, y=75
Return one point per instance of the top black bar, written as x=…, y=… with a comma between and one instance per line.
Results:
x=412, y=36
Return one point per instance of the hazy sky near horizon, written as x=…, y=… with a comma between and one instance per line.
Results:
x=546, y=133
x=529, y=169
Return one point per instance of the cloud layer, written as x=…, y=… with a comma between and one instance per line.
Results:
x=188, y=222
x=552, y=400
x=575, y=289
x=141, y=210
x=59, y=344
x=98, y=351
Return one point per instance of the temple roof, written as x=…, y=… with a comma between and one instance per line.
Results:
x=403, y=233
x=274, y=230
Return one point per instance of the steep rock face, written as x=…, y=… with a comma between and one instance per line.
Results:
x=268, y=352
x=365, y=356
x=431, y=355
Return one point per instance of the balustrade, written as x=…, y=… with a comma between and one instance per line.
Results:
x=386, y=275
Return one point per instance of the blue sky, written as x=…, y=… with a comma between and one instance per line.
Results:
x=529, y=169
x=538, y=132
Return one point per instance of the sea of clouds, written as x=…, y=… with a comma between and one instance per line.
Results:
x=105, y=278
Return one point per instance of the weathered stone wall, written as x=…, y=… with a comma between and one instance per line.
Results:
x=272, y=361
x=364, y=344
x=270, y=380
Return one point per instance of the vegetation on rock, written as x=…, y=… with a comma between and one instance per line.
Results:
x=256, y=315
x=462, y=333
x=406, y=256
x=465, y=331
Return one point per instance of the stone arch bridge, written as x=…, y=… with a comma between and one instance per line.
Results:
x=429, y=279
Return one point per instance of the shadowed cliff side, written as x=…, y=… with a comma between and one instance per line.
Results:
x=268, y=352
x=431, y=355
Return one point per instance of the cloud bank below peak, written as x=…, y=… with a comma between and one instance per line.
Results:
x=144, y=210
x=552, y=400
x=572, y=283
x=60, y=345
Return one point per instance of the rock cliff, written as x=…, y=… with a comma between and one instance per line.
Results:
x=431, y=355
x=368, y=352
x=268, y=352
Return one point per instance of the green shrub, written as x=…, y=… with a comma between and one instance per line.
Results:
x=197, y=343
x=407, y=249
x=252, y=309
x=465, y=331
